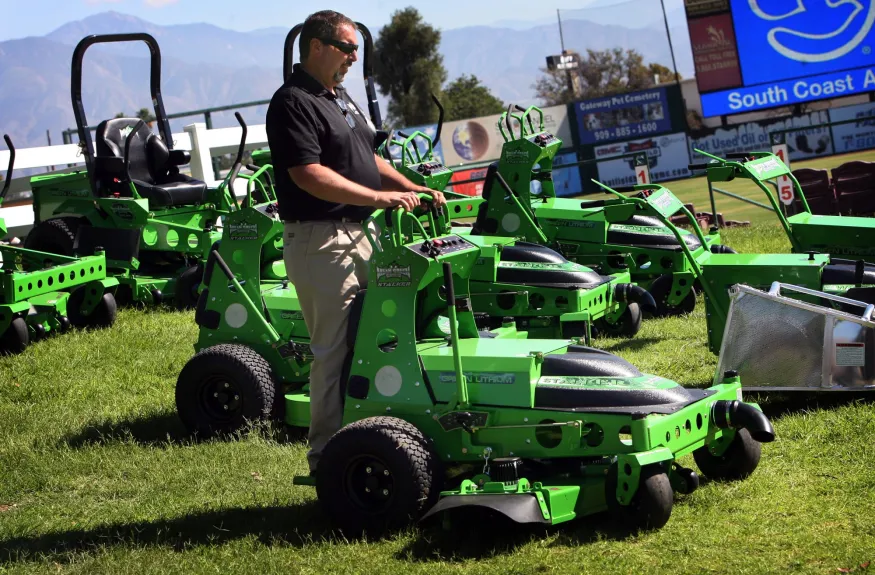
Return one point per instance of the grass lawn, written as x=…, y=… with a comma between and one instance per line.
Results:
x=98, y=476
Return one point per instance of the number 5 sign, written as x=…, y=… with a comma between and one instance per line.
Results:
x=642, y=170
x=785, y=184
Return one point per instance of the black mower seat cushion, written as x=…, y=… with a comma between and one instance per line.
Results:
x=570, y=394
x=154, y=168
x=586, y=361
x=644, y=239
x=526, y=252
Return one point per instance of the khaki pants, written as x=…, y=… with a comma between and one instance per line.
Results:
x=327, y=262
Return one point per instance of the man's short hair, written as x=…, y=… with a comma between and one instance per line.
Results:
x=323, y=24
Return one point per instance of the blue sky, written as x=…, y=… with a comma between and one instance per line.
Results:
x=39, y=17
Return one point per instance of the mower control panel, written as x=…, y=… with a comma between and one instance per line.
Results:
x=441, y=246
x=431, y=168
x=543, y=139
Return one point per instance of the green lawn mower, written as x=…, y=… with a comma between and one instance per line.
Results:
x=719, y=272
x=594, y=233
x=540, y=430
x=45, y=293
x=155, y=224
x=546, y=294
x=849, y=236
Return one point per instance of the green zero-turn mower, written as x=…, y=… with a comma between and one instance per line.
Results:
x=44, y=293
x=545, y=294
x=155, y=223
x=541, y=430
x=594, y=233
x=718, y=272
x=554, y=290
x=850, y=236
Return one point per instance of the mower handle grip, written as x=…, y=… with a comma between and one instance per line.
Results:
x=737, y=155
x=8, y=181
x=698, y=166
x=448, y=283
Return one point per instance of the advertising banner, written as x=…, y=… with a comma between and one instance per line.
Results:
x=468, y=188
x=566, y=181
x=859, y=135
x=704, y=7
x=478, y=139
x=796, y=52
x=622, y=116
x=754, y=136
x=421, y=144
x=713, y=42
x=667, y=157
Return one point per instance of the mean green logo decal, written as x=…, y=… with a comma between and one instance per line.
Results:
x=393, y=275
x=481, y=378
x=568, y=266
x=243, y=231
x=606, y=382
x=849, y=250
x=653, y=230
x=122, y=211
x=570, y=223
x=516, y=157
x=295, y=315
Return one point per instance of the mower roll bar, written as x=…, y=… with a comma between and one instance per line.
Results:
x=367, y=67
x=154, y=88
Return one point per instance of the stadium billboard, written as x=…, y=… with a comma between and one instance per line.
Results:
x=788, y=52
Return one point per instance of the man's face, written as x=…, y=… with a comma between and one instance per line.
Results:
x=336, y=62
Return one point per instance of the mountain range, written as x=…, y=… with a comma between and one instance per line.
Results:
x=205, y=66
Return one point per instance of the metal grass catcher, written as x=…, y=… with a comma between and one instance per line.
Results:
x=778, y=343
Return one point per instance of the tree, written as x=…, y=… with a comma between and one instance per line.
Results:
x=146, y=115
x=601, y=73
x=465, y=97
x=664, y=74
x=408, y=68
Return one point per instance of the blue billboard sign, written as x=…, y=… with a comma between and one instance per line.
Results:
x=796, y=51
x=787, y=92
x=623, y=117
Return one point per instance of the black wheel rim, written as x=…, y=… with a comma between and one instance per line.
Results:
x=369, y=484
x=220, y=398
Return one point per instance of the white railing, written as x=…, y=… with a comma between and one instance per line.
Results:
x=196, y=138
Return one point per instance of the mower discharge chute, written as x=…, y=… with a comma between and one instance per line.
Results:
x=155, y=224
x=541, y=430
x=848, y=236
x=44, y=293
x=601, y=234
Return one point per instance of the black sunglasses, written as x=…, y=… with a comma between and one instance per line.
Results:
x=345, y=109
x=344, y=47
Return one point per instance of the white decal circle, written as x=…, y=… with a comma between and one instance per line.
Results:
x=388, y=380
x=510, y=222
x=236, y=315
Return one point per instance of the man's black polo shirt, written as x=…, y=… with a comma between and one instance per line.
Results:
x=305, y=125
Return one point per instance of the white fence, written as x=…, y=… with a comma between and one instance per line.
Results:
x=201, y=142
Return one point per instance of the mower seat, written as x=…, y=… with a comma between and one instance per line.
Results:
x=566, y=387
x=154, y=169
x=483, y=225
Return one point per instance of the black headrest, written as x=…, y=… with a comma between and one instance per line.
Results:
x=111, y=136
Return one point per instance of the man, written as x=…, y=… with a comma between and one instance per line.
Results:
x=328, y=180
